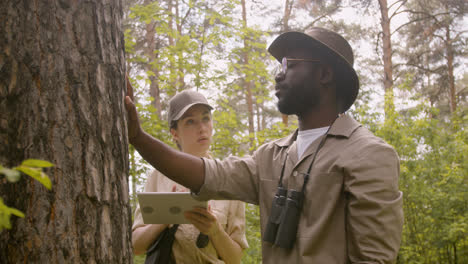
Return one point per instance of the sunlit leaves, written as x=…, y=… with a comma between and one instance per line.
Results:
x=30, y=167
x=5, y=214
x=254, y=253
x=37, y=174
x=434, y=171
x=36, y=163
x=11, y=175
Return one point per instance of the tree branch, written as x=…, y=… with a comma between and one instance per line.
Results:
x=396, y=2
x=322, y=16
x=396, y=10
x=420, y=67
x=406, y=24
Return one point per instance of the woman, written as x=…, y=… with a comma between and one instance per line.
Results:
x=223, y=221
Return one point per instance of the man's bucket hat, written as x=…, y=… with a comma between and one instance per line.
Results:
x=182, y=101
x=323, y=41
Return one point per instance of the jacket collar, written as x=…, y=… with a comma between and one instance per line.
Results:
x=344, y=126
x=287, y=141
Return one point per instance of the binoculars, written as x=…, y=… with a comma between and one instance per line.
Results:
x=281, y=229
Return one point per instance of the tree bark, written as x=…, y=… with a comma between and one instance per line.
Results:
x=180, y=65
x=247, y=83
x=387, y=51
x=62, y=84
x=172, y=66
x=288, y=5
x=450, y=74
x=152, y=44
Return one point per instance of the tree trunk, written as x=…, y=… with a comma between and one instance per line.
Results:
x=172, y=67
x=62, y=84
x=387, y=53
x=288, y=5
x=247, y=83
x=259, y=116
x=180, y=53
x=455, y=259
x=151, y=46
x=154, y=90
x=451, y=77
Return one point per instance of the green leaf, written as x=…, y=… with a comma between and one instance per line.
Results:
x=5, y=214
x=37, y=163
x=16, y=212
x=36, y=174
x=11, y=175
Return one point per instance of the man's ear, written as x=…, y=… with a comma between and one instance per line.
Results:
x=326, y=74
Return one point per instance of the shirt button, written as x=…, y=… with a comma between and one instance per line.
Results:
x=295, y=173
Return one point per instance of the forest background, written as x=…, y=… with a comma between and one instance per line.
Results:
x=62, y=68
x=411, y=60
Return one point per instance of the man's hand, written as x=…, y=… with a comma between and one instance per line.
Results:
x=133, y=125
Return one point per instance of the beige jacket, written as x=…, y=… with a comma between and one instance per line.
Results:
x=353, y=209
x=230, y=214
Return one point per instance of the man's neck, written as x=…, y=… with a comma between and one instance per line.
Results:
x=316, y=119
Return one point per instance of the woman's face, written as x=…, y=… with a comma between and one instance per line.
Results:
x=194, y=130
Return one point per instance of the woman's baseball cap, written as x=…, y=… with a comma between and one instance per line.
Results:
x=182, y=101
x=323, y=41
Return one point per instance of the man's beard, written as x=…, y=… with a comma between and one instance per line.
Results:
x=284, y=108
x=297, y=100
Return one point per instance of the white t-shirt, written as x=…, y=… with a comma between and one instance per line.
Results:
x=306, y=137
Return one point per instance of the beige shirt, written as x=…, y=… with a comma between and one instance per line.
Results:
x=352, y=210
x=230, y=214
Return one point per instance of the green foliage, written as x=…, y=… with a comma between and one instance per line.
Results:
x=187, y=42
x=31, y=167
x=139, y=259
x=11, y=175
x=434, y=181
x=276, y=131
x=207, y=46
x=436, y=187
x=5, y=214
x=253, y=254
x=228, y=138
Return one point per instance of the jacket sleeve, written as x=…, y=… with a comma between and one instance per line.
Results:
x=233, y=178
x=374, y=210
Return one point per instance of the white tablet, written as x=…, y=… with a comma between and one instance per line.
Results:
x=166, y=207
